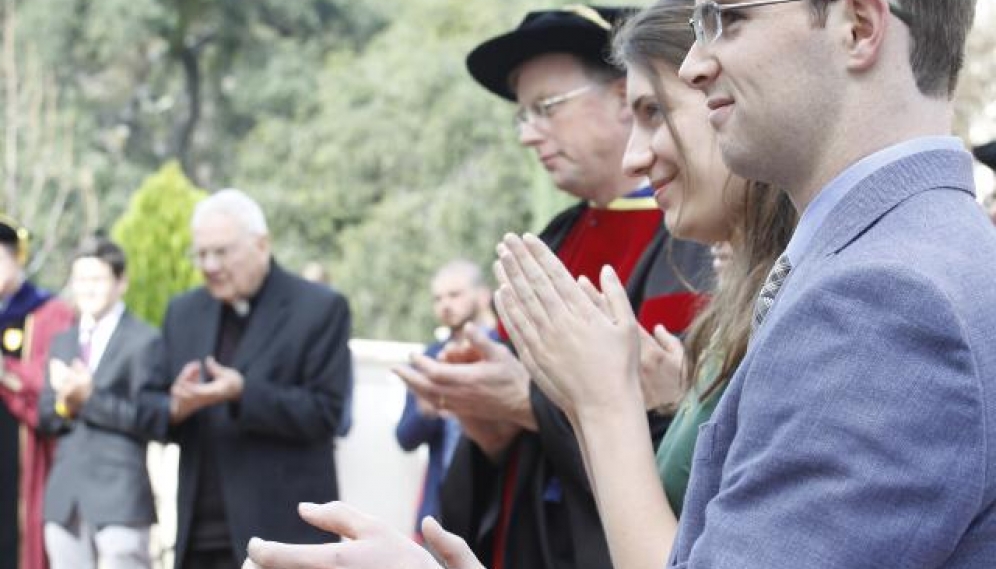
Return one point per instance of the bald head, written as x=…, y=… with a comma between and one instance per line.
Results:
x=458, y=293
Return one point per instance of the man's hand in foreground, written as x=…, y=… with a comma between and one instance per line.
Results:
x=368, y=544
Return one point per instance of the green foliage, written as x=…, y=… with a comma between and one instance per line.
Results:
x=404, y=164
x=117, y=65
x=354, y=122
x=155, y=234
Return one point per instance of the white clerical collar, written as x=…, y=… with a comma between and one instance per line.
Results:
x=241, y=307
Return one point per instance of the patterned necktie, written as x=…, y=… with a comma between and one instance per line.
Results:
x=86, y=337
x=770, y=289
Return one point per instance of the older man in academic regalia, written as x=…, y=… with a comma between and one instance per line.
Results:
x=29, y=318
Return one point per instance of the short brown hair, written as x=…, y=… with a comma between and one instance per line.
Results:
x=103, y=249
x=938, y=29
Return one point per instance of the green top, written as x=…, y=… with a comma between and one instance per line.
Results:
x=674, y=455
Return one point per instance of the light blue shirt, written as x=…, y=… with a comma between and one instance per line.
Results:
x=834, y=192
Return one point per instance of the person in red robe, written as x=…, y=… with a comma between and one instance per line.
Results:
x=29, y=318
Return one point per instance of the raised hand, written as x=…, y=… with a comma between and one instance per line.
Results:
x=371, y=544
x=662, y=358
x=488, y=394
x=449, y=548
x=583, y=356
x=184, y=397
x=76, y=387
x=494, y=386
x=662, y=367
x=226, y=382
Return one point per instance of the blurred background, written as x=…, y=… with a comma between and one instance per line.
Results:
x=354, y=122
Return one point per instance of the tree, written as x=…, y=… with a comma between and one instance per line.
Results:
x=403, y=164
x=153, y=80
x=155, y=235
x=975, y=112
x=354, y=123
x=43, y=185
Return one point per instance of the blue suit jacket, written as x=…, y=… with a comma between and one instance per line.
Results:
x=860, y=429
x=440, y=434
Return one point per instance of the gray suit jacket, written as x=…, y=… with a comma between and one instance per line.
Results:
x=860, y=429
x=100, y=457
x=275, y=445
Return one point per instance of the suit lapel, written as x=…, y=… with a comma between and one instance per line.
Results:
x=114, y=351
x=886, y=188
x=71, y=348
x=203, y=339
x=874, y=197
x=269, y=315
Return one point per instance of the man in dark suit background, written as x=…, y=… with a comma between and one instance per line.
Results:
x=261, y=365
x=98, y=500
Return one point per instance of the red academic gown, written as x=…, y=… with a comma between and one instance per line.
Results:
x=25, y=355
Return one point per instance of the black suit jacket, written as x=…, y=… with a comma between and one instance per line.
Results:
x=100, y=458
x=274, y=446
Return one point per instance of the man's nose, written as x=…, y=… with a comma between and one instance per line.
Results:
x=637, y=157
x=699, y=69
x=529, y=134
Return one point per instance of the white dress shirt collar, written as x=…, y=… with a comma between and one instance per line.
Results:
x=99, y=332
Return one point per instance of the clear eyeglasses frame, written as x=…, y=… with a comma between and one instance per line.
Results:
x=707, y=18
x=201, y=256
x=543, y=109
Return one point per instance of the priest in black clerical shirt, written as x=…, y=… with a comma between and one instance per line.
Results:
x=257, y=369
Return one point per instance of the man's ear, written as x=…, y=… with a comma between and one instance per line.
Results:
x=865, y=23
x=263, y=243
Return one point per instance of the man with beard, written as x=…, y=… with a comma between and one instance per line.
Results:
x=459, y=297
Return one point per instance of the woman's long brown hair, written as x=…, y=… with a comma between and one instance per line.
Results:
x=763, y=218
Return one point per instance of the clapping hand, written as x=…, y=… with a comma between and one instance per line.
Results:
x=78, y=387
x=370, y=544
x=188, y=394
x=584, y=356
x=481, y=383
x=73, y=384
x=662, y=358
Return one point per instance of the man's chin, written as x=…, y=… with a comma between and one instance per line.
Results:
x=457, y=326
x=94, y=311
x=221, y=293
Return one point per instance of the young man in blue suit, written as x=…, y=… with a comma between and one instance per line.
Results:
x=860, y=429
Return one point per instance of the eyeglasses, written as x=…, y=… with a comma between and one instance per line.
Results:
x=543, y=108
x=200, y=256
x=707, y=18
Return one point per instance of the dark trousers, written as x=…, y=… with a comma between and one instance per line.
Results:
x=10, y=460
x=213, y=559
